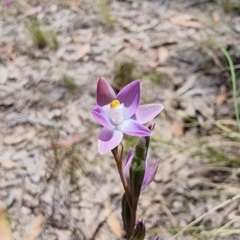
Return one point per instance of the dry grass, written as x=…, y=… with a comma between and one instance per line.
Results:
x=201, y=166
x=41, y=37
x=104, y=8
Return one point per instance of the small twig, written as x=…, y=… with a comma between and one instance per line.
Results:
x=167, y=211
x=226, y=225
x=237, y=66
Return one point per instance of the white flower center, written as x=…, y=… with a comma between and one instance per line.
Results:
x=116, y=112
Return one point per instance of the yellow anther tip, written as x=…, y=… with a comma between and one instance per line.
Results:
x=114, y=103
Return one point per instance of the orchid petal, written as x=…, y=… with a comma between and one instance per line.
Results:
x=105, y=93
x=147, y=112
x=129, y=157
x=150, y=172
x=130, y=97
x=7, y=3
x=133, y=128
x=108, y=139
x=101, y=116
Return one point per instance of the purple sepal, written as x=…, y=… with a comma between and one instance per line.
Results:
x=139, y=231
x=150, y=170
x=105, y=93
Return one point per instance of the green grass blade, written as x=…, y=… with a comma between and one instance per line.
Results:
x=234, y=82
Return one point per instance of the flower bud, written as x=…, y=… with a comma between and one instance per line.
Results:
x=139, y=231
x=142, y=145
x=137, y=172
x=140, y=173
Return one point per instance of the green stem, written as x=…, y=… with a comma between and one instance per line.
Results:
x=118, y=160
x=133, y=220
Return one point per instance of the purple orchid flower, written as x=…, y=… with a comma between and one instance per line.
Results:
x=120, y=113
x=150, y=170
x=7, y=3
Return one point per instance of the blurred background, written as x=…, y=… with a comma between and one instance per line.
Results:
x=53, y=183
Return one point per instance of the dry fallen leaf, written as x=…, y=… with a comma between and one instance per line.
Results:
x=220, y=99
x=85, y=49
x=19, y=137
x=65, y=142
x=135, y=43
x=163, y=42
x=187, y=85
x=186, y=21
x=34, y=229
x=86, y=38
x=191, y=24
x=162, y=55
x=112, y=221
x=120, y=47
x=176, y=80
x=31, y=11
x=5, y=230
x=12, y=140
x=153, y=61
x=177, y=128
x=152, y=64
x=11, y=164
x=8, y=51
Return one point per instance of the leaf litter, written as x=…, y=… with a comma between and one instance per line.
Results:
x=54, y=185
